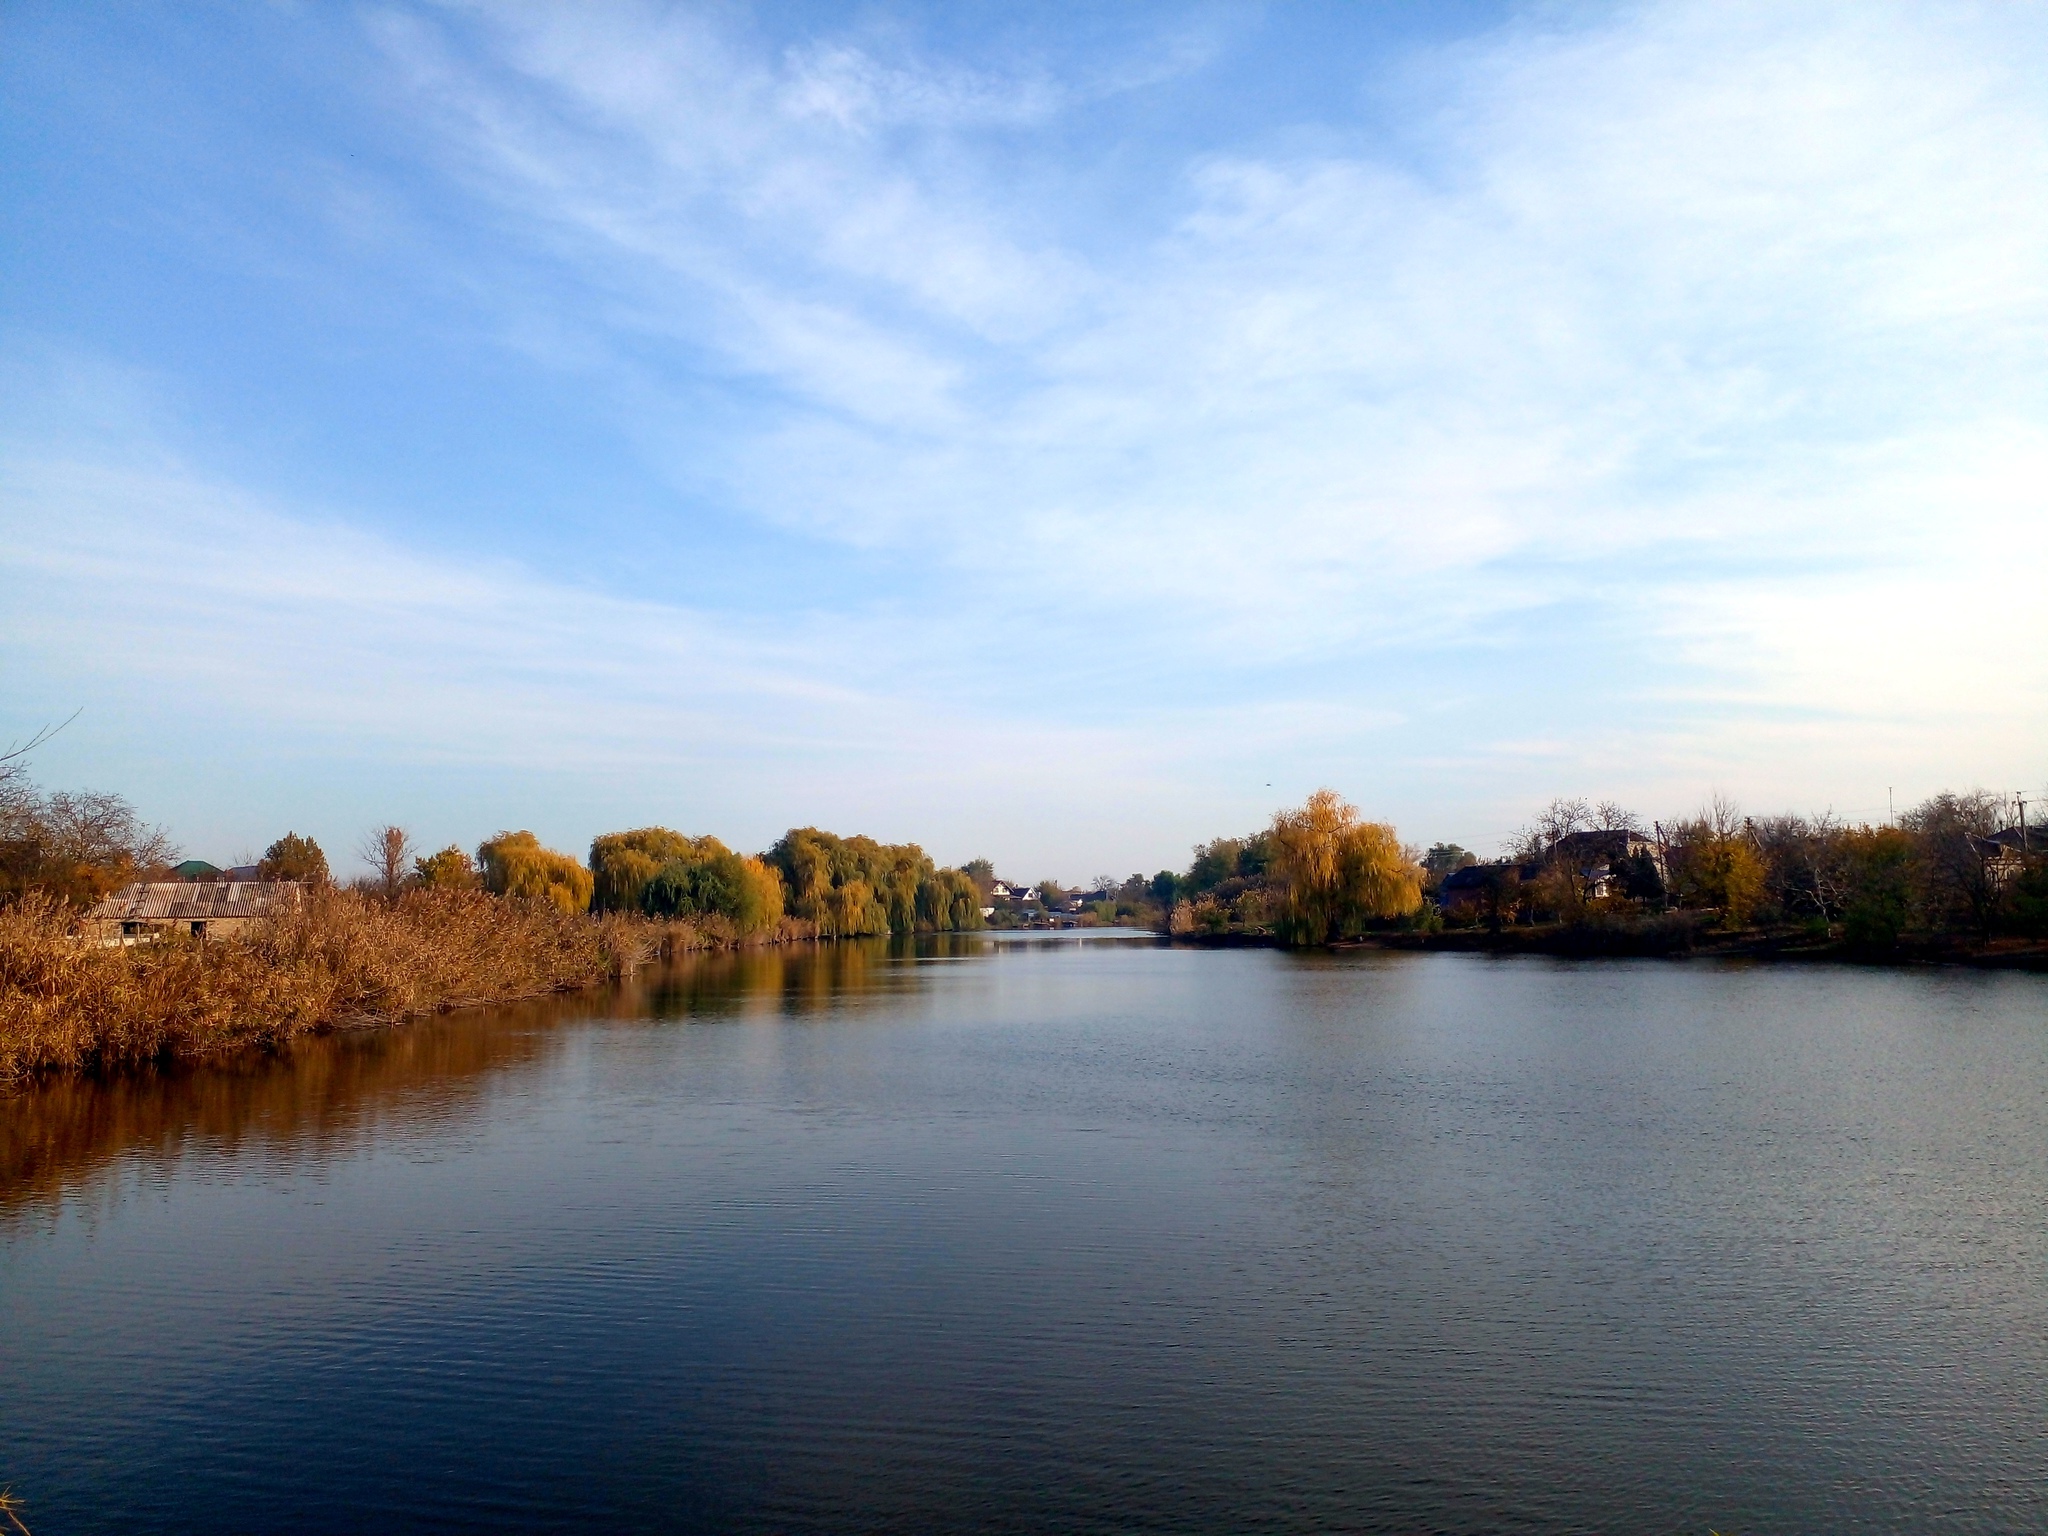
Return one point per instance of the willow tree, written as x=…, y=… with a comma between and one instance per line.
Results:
x=1337, y=872
x=515, y=864
x=855, y=885
x=713, y=881
x=622, y=864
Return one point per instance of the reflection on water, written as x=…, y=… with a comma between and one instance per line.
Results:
x=317, y=1096
x=1031, y=1233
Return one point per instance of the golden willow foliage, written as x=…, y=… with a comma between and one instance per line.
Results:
x=668, y=874
x=1336, y=872
x=855, y=885
x=515, y=864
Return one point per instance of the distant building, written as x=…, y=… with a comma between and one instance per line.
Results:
x=1588, y=850
x=208, y=909
x=192, y=871
x=2005, y=853
x=1471, y=888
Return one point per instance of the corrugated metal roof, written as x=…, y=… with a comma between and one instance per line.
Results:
x=179, y=902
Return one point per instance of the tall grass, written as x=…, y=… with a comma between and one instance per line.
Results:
x=343, y=957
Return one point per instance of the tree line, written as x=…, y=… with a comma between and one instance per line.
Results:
x=1952, y=866
x=1958, y=866
x=80, y=848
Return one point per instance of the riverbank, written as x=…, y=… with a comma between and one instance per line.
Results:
x=343, y=959
x=1676, y=935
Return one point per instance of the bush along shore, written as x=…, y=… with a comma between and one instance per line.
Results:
x=337, y=958
x=114, y=956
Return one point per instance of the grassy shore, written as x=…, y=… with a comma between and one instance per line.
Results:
x=343, y=958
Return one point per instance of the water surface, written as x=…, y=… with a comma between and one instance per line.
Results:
x=1038, y=1235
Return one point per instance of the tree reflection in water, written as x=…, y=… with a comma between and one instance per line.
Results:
x=323, y=1096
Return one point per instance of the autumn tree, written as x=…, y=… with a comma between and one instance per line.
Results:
x=386, y=849
x=449, y=870
x=76, y=847
x=1336, y=872
x=515, y=864
x=1958, y=886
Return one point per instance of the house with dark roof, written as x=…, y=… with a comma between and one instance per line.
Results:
x=1474, y=888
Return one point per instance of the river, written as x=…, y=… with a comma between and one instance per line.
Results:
x=1059, y=1234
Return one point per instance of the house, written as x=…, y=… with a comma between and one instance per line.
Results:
x=1587, y=850
x=193, y=871
x=2005, y=852
x=1601, y=860
x=150, y=909
x=1471, y=889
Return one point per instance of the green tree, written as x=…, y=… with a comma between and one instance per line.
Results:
x=855, y=885
x=713, y=881
x=293, y=857
x=622, y=864
x=1880, y=886
x=1442, y=859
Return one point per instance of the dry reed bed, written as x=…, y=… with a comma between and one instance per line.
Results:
x=342, y=958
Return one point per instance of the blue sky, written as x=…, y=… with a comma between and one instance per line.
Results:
x=1059, y=433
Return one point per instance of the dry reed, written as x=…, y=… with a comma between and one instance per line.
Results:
x=342, y=958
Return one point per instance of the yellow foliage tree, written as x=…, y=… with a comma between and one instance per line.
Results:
x=515, y=864
x=1336, y=872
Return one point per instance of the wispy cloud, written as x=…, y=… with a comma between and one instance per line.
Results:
x=1637, y=272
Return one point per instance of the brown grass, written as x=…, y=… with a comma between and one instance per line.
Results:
x=345, y=957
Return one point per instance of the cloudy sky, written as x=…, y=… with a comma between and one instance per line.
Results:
x=1054, y=433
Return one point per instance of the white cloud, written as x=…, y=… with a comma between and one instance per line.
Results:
x=1644, y=262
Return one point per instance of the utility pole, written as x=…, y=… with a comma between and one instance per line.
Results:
x=2024, y=849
